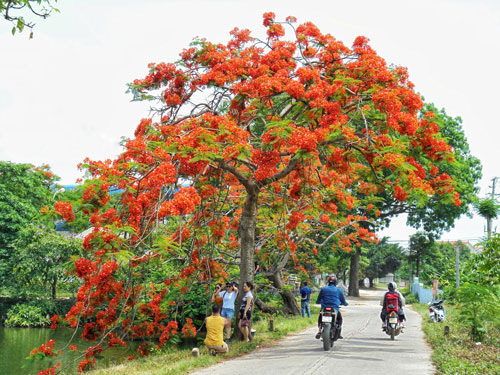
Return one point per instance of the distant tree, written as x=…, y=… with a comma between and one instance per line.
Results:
x=420, y=245
x=437, y=212
x=489, y=209
x=484, y=267
x=24, y=190
x=440, y=262
x=40, y=260
x=15, y=11
x=383, y=258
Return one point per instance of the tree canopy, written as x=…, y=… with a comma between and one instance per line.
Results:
x=24, y=190
x=384, y=257
x=254, y=147
x=40, y=257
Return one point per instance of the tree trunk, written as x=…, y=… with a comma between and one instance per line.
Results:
x=246, y=230
x=372, y=285
x=290, y=302
x=54, y=285
x=354, y=273
x=410, y=278
x=418, y=268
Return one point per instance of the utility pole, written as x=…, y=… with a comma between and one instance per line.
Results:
x=489, y=219
x=457, y=263
x=410, y=281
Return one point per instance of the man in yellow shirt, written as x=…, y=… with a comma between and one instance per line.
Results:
x=215, y=331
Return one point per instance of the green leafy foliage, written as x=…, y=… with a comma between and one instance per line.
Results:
x=383, y=258
x=16, y=10
x=455, y=354
x=437, y=214
x=26, y=315
x=24, y=190
x=193, y=302
x=479, y=305
x=421, y=244
x=40, y=256
x=488, y=208
x=484, y=268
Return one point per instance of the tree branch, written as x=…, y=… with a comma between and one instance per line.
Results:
x=281, y=174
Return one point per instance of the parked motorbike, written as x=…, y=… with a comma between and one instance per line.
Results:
x=436, y=311
x=330, y=328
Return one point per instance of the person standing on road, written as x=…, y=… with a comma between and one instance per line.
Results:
x=228, y=300
x=305, y=299
x=331, y=296
x=215, y=332
x=246, y=310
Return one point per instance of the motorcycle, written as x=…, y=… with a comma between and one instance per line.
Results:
x=393, y=323
x=436, y=311
x=330, y=329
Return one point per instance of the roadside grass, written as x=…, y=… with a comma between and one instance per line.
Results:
x=180, y=361
x=455, y=353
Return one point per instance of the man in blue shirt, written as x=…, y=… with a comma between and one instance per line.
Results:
x=305, y=299
x=331, y=296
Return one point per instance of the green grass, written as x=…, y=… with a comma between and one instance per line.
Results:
x=180, y=361
x=456, y=354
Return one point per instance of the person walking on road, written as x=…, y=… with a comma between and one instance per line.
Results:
x=227, y=312
x=246, y=310
x=215, y=332
x=331, y=296
x=305, y=299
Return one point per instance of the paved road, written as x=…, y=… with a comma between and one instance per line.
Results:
x=365, y=349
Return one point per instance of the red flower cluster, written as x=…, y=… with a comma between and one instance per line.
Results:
x=46, y=349
x=65, y=209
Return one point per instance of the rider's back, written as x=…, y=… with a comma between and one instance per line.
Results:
x=331, y=296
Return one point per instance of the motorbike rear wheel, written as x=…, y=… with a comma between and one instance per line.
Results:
x=326, y=336
x=392, y=333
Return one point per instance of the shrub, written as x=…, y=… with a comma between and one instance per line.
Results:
x=411, y=298
x=26, y=315
x=478, y=306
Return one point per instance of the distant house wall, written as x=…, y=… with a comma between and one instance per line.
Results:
x=424, y=295
x=386, y=279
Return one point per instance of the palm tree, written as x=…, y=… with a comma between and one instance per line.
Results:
x=489, y=209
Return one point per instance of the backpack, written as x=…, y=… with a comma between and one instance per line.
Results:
x=392, y=301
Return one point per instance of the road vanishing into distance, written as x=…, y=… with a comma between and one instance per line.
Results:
x=365, y=349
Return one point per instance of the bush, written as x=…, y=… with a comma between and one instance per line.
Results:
x=411, y=298
x=478, y=306
x=26, y=315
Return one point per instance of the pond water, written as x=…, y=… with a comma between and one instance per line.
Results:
x=16, y=344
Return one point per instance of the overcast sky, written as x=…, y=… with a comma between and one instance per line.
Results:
x=62, y=94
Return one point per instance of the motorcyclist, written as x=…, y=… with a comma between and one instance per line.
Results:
x=331, y=296
x=392, y=288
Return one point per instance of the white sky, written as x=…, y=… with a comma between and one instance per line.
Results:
x=62, y=94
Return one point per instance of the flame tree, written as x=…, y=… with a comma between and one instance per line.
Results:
x=253, y=147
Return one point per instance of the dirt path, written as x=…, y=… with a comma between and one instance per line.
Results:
x=365, y=349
